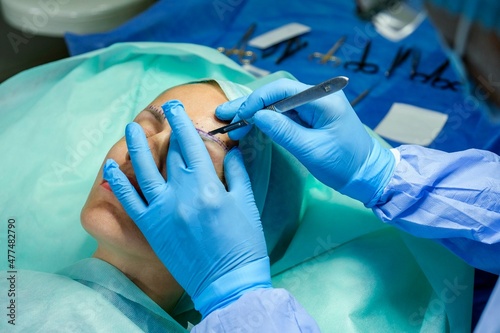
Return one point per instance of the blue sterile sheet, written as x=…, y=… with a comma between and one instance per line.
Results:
x=223, y=22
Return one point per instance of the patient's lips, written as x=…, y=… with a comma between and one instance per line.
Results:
x=105, y=184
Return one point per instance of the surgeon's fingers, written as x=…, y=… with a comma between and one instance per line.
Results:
x=284, y=131
x=175, y=162
x=237, y=134
x=192, y=147
x=238, y=182
x=123, y=190
x=146, y=171
x=269, y=94
x=228, y=110
x=235, y=173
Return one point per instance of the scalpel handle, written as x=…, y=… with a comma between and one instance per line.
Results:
x=320, y=90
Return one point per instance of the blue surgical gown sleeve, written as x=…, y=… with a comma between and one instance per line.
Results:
x=262, y=310
x=489, y=323
x=453, y=198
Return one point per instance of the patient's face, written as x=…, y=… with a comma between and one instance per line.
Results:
x=103, y=216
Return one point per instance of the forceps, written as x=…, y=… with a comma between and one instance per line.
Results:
x=244, y=56
x=329, y=56
x=320, y=90
x=362, y=65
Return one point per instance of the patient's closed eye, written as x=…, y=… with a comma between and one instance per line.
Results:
x=151, y=121
x=157, y=112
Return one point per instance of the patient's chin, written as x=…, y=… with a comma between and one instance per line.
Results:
x=98, y=216
x=112, y=227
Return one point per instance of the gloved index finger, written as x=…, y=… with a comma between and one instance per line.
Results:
x=146, y=171
x=269, y=94
x=192, y=147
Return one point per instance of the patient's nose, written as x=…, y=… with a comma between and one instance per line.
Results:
x=158, y=145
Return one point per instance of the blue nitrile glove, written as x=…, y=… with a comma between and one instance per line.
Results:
x=209, y=238
x=337, y=149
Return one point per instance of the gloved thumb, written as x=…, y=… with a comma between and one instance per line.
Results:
x=282, y=130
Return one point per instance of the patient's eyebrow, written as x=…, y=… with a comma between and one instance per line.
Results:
x=157, y=112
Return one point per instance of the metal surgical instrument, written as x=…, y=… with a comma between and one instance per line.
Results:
x=329, y=56
x=362, y=65
x=434, y=78
x=320, y=90
x=400, y=57
x=244, y=56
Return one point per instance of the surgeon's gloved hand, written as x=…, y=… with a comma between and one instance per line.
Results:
x=209, y=238
x=336, y=148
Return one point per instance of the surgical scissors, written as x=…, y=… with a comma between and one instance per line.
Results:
x=362, y=65
x=399, y=59
x=329, y=56
x=434, y=78
x=244, y=56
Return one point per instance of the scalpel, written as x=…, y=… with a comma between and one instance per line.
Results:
x=320, y=90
